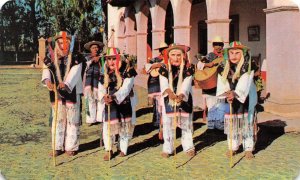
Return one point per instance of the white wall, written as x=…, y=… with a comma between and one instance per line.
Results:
x=251, y=13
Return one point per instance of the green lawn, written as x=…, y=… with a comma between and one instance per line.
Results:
x=25, y=144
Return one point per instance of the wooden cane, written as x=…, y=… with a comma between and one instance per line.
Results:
x=230, y=135
x=175, y=126
x=108, y=118
x=55, y=116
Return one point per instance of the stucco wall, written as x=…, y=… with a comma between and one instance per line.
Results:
x=250, y=13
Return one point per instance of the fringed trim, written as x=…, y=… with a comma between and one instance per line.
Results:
x=240, y=126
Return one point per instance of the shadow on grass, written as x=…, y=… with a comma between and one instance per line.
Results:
x=268, y=132
x=89, y=146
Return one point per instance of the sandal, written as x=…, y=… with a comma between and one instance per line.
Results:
x=121, y=154
x=228, y=153
x=71, y=153
x=191, y=153
x=108, y=156
x=165, y=155
x=56, y=153
x=249, y=155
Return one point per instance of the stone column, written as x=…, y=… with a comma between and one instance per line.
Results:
x=130, y=44
x=121, y=43
x=182, y=34
x=141, y=40
x=158, y=36
x=42, y=51
x=282, y=51
x=217, y=20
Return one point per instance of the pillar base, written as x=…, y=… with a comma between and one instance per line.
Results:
x=285, y=108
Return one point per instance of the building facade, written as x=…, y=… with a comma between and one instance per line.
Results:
x=269, y=27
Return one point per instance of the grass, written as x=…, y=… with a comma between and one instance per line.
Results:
x=25, y=144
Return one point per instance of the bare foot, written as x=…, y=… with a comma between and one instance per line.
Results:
x=165, y=155
x=228, y=153
x=249, y=155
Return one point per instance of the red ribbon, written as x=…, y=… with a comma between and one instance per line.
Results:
x=64, y=37
x=117, y=58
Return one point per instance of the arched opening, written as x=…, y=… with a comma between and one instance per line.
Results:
x=169, y=24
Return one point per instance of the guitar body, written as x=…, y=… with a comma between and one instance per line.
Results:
x=207, y=78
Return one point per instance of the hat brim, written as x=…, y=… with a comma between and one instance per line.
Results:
x=161, y=48
x=88, y=45
x=183, y=48
x=60, y=36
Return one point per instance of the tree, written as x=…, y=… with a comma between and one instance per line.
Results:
x=83, y=17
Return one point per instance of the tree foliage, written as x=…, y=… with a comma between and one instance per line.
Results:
x=83, y=17
x=22, y=22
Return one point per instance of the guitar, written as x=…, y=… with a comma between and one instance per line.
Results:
x=207, y=78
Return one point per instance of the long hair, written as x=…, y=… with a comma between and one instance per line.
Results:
x=237, y=72
x=107, y=80
x=180, y=78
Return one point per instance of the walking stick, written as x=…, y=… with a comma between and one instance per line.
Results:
x=175, y=126
x=230, y=135
x=108, y=126
x=55, y=117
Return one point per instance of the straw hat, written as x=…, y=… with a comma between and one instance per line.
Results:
x=162, y=45
x=173, y=46
x=218, y=39
x=88, y=45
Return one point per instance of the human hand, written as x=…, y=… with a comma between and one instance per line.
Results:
x=230, y=95
x=49, y=85
x=156, y=65
x=179, y=98
x=61, y=86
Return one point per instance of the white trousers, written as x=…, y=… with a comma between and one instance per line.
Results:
x=67, y=127
x=91, y=99
x=169, y=134
x=124, y=139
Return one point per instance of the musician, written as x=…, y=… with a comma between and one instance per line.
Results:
x=115, y=102
x=63, y=70
x=153, y=82
x=176, y=85
x=236, y=85
x=214, y=105
x=91, y=80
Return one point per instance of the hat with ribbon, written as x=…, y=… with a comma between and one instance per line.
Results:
x=62, y=34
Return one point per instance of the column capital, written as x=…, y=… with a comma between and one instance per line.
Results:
x=213, y=21
x=158, y=31
x=121, y=37
x=182, y=27
x=281, y=8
